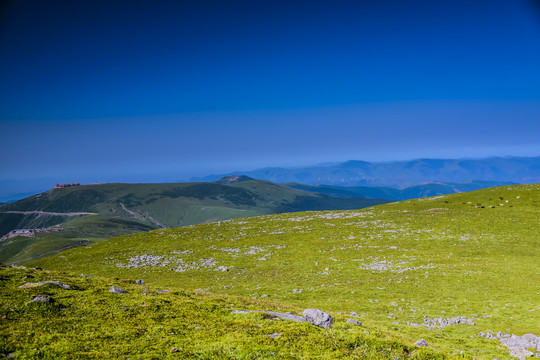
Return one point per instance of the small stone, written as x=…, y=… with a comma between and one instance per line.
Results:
x=265, y=295
x=274, y=335
x=139, y=282
x=173, y=350
x=28, y=277
x=116, y=290
x=355, y=314
x=221, y=268
x=421, y=343
x=352, y=321
x=38, y=268
x=318, y=318
x=43, y=298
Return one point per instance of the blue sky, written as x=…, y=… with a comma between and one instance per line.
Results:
x=167, y=90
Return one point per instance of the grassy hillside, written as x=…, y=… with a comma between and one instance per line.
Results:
x=87, y=321
x=472, y=255
x=94, y=212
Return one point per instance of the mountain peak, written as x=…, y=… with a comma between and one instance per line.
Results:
x=231, y=179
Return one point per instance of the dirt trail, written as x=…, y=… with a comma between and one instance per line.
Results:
x=142, y=216
x=48, y=213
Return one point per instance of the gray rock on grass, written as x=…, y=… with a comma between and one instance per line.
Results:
x=352, y=321
x=286, y=316
x=116, y=290
x=421, y=343
x=318, y=318
x=43, y=298
x=313, y=316
x=139, y=282
x=520, y=346
x=41, y=283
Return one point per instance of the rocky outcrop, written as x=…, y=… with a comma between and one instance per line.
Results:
x=55, y=282
x=519, y=346
x=43, y=298
x=439, y=323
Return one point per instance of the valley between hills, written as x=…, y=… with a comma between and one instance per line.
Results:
x=458, y=271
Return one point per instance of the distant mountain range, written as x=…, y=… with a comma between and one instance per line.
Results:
x=401, y=174
x=410, y=192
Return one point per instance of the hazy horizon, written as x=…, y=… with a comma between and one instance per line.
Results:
x=103, y=91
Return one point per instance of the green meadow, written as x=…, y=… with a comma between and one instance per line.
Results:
x=399, y=266
x=87, y=321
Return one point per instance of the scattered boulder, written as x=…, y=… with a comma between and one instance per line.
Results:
x=421, y=343
x=265, y=295
x=274, y=335
x=116, y=290
x=43, y=298
x=139, y=282
x=28, y=277
x=355, y=314
x=173, y=350
x=352, y=321
x=221, y=268
x=318, y=318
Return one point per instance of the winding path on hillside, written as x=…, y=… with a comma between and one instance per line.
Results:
x=142, y=216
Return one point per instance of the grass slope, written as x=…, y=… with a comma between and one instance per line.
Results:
x=131, y=208
x=470, y=254
x=88, y=322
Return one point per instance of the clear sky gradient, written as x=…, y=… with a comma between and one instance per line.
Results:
x=167, y=90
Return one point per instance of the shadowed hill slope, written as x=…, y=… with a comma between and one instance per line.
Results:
x=93, y=212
